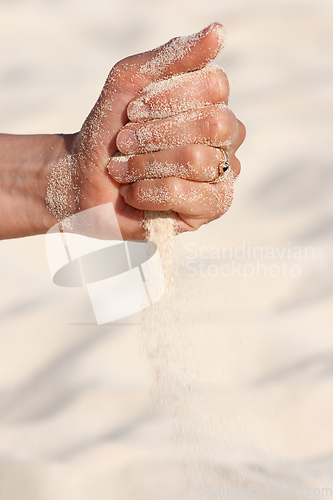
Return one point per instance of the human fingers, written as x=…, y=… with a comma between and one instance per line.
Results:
x=179, y=94
x=97, y=139
x=215, y=126
x=195, y=203
x=196, y=162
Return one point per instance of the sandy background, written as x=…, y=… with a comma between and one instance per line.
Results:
x=75, y=417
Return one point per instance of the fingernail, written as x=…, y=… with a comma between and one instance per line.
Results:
x=206, y=29
x=127, y=141
x=118, y=167
x=138, y=110
x=123, y=190
x=221, y=34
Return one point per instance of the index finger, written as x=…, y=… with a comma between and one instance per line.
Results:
x=179, y=94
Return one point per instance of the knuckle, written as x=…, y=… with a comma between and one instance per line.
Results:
x=173, y=186
x=116, y=72
x=121, y=70
x=236, y=167
x=173, y=190
x=136, y=191
x=242, y=132
x=135, y=169
x=218, y=85
x=217, y=128
x=193, y=157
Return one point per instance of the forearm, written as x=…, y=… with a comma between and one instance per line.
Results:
x=25, y=166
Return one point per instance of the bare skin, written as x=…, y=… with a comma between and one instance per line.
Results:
x=175, y=149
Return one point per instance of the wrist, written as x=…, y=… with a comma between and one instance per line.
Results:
x=61, y=190
x=26, y=164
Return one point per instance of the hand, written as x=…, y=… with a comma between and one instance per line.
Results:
x=180, y=148
x=208, y=128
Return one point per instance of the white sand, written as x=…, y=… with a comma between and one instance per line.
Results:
x=75, y=417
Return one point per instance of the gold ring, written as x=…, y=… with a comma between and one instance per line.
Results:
x=222, y=168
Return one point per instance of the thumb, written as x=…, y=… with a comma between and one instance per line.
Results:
x=179, y=55
x=133, y=74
